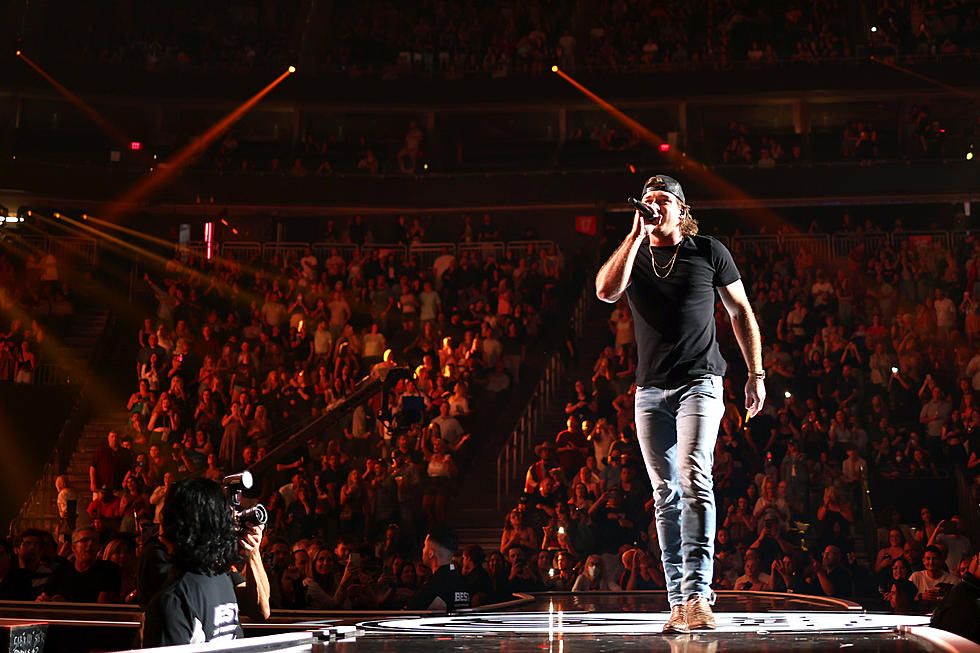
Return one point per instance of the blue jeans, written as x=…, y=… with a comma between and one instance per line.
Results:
x=677, y=429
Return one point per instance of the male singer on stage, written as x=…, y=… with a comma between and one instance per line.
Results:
x=669, y=275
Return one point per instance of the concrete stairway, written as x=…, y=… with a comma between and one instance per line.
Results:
x=474, y=514
x=74, y=355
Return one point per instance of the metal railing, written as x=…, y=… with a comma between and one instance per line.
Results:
x=427, y=253
x=85, y=250
x=512, y=459
x=821, y=245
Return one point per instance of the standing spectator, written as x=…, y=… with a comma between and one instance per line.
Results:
x=109, y=465
x=946, y=314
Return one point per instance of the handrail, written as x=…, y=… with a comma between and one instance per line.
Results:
x=67, y=441
x=41, y=493
x=868, y=521
x=511, y=459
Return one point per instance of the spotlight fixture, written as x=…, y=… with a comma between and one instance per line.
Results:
x=292, y=69
x=554, y=69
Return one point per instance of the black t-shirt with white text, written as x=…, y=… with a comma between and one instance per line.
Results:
x=674, y=316
x=193, y=609
x=446, y=590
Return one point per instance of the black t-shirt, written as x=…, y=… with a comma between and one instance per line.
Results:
x=840, y=578
x=478, y=582
x=85, y=586
x=193, y=609
x=445, y=588
x=16, y=586
x=674, y=317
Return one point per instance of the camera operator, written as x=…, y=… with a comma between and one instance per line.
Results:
x=200, y=601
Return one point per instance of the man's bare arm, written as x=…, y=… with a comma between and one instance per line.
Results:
x=614, y=275
x=749, y=341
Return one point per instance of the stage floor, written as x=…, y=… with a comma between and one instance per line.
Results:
x=606, y=623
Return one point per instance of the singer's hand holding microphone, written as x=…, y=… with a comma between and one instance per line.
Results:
x=645, y=217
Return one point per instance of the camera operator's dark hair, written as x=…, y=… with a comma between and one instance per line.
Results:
x=196, y=519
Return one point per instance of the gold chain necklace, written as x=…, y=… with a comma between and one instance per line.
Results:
x=669, y=267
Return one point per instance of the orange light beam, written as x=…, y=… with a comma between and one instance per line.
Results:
x=114, y=132
x=718, y=184
x=645, y=134
x=926, y=78
x=169, y=169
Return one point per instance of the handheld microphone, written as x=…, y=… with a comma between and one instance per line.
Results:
x=644, y=209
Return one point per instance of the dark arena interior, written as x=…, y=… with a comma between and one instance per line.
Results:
x=385, y=257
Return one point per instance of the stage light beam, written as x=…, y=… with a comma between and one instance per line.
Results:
x=111, y=130
x=149, y=184
x=710, y=179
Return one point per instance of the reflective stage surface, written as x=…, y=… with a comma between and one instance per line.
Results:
x=607, y=623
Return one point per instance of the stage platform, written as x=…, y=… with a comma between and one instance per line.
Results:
x=603, y=622
x=552, y=623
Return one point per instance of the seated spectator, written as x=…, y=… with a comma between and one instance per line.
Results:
x=85, y=579
x=14, y=585
x=933, y=582
x=593, y=579
x=958, y=613
x=893, y=551
x=901, y=596
x=108, y=507
x=518, y=532
x=497, y=568
x=121, y=552
x=770, y=506
x=771, y=545
x=320, y=581
x=520, y=576
x=640, y=572
x=562, y=576
x=29, y=547
x=754, y=579
x=476, y=578
x=446, y=590
x=834, y=578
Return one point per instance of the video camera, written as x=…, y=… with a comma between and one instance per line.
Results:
x=242, y=518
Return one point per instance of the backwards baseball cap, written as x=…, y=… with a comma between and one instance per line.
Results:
x=666, y=184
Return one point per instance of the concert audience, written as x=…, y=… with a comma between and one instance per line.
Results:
x=877, y=396
x=460, y=38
